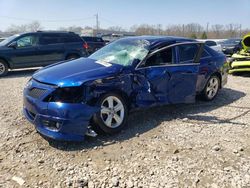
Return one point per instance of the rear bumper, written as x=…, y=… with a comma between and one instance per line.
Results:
x=59, y=121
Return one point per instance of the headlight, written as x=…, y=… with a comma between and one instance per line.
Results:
x=67, y=95
x=28, y=84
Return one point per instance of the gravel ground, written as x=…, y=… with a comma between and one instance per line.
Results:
x=205, y=144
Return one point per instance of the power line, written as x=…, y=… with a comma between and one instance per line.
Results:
x=107, y=20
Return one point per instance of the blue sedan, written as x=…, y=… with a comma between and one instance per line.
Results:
x=68, y=99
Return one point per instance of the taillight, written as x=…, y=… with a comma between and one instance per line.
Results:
x=85, y=45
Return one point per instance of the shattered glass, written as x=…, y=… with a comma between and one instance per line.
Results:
x=122, y=52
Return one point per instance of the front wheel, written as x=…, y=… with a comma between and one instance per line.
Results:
x=211, y=89
x=112, y=116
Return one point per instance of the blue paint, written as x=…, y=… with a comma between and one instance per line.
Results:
x=142, y=87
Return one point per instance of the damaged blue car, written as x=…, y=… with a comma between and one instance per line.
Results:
x=68, y=99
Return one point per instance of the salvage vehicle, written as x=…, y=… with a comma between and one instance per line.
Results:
x=37, y=49
x=240, y=61
x=67, y=100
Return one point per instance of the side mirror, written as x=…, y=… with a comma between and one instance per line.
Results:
x=13, y=45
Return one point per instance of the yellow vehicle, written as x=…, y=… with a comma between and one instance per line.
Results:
x=240, y=61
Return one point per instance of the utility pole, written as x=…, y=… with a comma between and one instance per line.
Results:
x=240, y=30
x=207, y=27
x=183, y=30
x=97, y=23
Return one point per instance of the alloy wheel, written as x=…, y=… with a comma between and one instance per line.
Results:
x=112, y=112
x=212, y=87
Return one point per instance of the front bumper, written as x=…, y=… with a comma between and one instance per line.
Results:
x=59, y=121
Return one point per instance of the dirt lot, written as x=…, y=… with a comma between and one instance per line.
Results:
x=197, y=145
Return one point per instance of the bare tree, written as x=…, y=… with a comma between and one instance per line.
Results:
x=34, y=26
x=116, y=28
x=217, y=31
x=17, y=29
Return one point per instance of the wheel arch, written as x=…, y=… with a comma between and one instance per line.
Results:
x=5, y=60
x=218, y=74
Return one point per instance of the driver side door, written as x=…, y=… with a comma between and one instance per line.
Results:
x=25, y=52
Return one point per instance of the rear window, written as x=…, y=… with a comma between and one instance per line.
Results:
x=87, y=39
x=50, y=39
x=54, y=38
x=97, y=39
x=93, y=39
x=71, y=38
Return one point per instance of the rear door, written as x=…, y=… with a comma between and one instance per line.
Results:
x=51, y=48
x=184, y=74
x=169, y=75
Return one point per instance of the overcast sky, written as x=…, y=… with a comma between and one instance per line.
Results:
x=53, y=14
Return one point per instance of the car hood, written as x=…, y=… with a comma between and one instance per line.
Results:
x=76, y=72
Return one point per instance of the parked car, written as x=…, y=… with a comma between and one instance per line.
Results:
x=63, y=100
x=93, y=43
x=231, y=46
x=39, y=49
x=240, y=61
x=212, y=44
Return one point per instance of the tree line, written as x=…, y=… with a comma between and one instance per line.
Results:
x=191, y=30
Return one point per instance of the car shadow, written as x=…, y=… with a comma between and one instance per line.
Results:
x=20, y=73
x=145, y=120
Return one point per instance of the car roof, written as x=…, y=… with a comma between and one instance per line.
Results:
x=156, y=41
x=50, y=32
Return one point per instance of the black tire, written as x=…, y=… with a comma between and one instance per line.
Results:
x=209, y=94
x=99, y=126
x=4, y=69
x=71, y=57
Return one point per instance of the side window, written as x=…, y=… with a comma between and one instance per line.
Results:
x=71, y=38
x=163, y=57
x=50, y=39
x=97, y=39
x=27, y=41
x=87, y=39
x=205, y=54
x=187, y=52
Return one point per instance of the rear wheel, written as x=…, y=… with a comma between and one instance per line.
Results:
x=112, y=116
x=212, y=88
x=3, y=68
